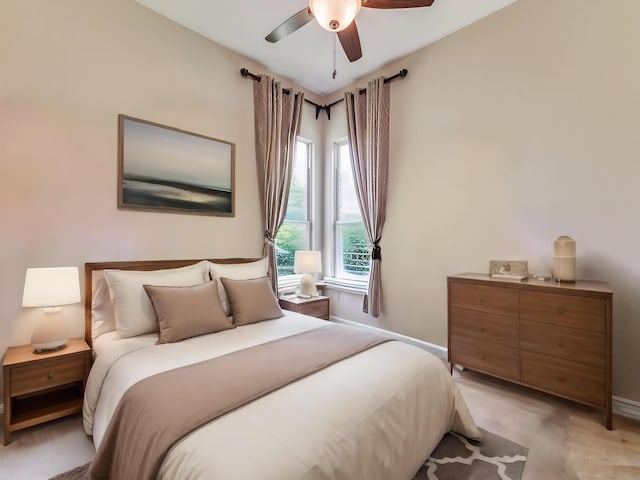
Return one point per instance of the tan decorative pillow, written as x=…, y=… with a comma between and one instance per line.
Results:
x=235, y=271
x=252, y=300
x=185, y=312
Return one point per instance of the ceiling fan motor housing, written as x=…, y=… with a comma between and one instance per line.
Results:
x=334, y=15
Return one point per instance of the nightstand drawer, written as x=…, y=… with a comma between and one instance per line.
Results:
x=315, y=309
x=47, y=374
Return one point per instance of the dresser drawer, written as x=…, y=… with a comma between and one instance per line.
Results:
x=47, y=374
x=492, y=358
x=580, y=346
x=585, y=313
x=570, y=379
x=496, y=300
x=484, y=327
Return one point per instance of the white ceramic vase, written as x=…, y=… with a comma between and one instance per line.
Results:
x=564, y=259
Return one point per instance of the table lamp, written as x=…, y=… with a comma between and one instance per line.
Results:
x=50, y=288
x=307, y=263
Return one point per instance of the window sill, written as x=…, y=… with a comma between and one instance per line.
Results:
x=352, y=286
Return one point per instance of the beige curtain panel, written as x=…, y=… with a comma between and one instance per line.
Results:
x=277, y=123
x=368, y=122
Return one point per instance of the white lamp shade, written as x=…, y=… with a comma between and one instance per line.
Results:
x=306, y=261
x=51, y=287
x=334, y=15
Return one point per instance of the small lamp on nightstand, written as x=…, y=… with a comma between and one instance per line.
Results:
x=50, y=288
x=307, y=263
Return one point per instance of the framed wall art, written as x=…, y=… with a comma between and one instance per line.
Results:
x=165, y=169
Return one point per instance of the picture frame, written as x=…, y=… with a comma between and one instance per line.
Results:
x=166, y=169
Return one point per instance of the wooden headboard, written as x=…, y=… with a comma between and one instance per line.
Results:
x=89, y=268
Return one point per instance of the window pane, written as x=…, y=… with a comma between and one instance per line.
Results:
x=291, y=237
x=297, y=207
x=348, y=208
x=352, y=247
x=353, y=250
x=294, y=232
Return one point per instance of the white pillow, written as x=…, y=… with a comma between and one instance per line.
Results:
x=133, y=309
x=235, y=271
x=102, y=314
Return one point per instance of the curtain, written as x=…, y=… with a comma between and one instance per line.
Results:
x=277, y=122
x=368, y=123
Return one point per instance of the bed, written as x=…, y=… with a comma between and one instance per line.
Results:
x=374, y=414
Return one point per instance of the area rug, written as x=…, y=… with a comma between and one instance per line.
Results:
x=455, y=458
x=492, y=458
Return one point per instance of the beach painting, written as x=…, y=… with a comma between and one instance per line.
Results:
x=165, y=169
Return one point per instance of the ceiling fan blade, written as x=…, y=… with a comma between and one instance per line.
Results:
x=396, y=3
x=350, y=41
x=290, y=25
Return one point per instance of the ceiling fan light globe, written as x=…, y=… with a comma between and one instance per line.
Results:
x=334, y=15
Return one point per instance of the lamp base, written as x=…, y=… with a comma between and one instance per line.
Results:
x=50, y=334
x=308, y=285
x=49, y=346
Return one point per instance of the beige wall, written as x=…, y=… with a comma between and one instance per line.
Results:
x=67, y=69
x=505, y=135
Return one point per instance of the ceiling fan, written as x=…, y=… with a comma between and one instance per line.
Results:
x=339, y=16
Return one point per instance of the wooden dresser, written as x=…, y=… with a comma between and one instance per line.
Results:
x=554, y=337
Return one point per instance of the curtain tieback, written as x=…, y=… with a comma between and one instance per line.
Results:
x=376, y=252
x=268, y=237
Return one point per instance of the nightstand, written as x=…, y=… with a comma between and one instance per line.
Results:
x=39, y=387
x=314, y=306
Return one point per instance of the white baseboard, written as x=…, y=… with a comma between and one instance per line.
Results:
x=620, y=406
x=437, y=350
x=626, y=407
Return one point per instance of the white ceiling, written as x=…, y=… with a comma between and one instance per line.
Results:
x=306, y=56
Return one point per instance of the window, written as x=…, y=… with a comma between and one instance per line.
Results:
x=295, y=232
x=352, y=250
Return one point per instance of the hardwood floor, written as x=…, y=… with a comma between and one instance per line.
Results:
x=566, y=441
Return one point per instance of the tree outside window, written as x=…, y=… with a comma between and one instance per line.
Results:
x=294, y=234
x=352, y=248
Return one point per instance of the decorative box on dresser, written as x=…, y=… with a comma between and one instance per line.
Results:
x=39, y=387
x=554, y=337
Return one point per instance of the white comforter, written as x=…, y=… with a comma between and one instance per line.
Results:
x=376, y=415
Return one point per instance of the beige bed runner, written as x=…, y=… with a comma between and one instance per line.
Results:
x=158, y=411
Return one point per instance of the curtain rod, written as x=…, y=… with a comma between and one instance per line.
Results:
x=327, y=108
x=246, y=73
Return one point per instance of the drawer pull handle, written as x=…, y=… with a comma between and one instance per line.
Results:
x=50, y=376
